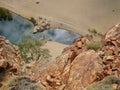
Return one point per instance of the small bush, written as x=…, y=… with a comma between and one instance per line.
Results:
x=22, y=83
x=5, y=14
x=95, y=45
x=94, y=33
x=30, y=49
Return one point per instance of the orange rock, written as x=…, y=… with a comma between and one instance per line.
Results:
x=8, y=60
x=3, y=63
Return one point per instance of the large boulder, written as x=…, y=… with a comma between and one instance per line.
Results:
x=83, y=70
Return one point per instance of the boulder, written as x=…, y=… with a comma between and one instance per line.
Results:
x=71, y=71
x=83, y=70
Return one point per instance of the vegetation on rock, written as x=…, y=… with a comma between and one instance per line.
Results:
x=95, y=45
x=5, y=14
x=22, y=83
x=105, y=84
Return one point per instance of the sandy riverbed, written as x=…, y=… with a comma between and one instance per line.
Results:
x=55, y=48
x=75, y=15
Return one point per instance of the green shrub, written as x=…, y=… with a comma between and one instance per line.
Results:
x=22, y=83
x=30, y=49
x=95, y=45
x=94, y=33
x=5, y=14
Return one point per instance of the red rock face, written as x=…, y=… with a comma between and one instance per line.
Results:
x=10, y=60
x=113, y=33
x=111, y=49
x=112, y=39
x=74, y=69
x=83, y=70
x=9, y=51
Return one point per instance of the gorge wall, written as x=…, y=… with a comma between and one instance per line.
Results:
x=75, y=69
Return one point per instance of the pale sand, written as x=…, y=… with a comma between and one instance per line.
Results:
x=75, y=15
x=55, y=48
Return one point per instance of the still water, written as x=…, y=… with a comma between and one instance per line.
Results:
x=17, y=28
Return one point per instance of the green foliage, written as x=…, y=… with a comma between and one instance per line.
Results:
x=30, y=49
x=22, y=83
x=5, y=14
x=105, y=84
x=94, y=32
x=95, y=45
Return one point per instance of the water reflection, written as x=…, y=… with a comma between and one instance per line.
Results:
x=15, y=29
x=60, y=35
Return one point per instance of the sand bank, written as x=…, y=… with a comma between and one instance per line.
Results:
x=74, y=15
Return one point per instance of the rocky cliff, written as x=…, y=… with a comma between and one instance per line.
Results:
x=75, y=69
x=10, y=61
